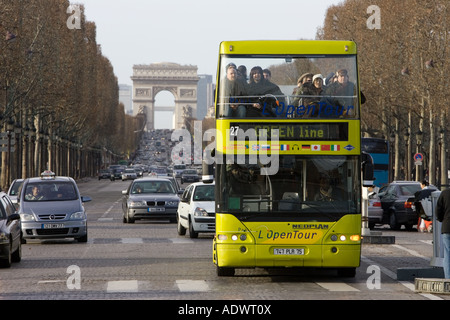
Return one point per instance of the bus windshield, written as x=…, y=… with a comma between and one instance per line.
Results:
x=305, y=188
x=286, y=86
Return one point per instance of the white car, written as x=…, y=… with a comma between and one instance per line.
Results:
x=129, y=174
x=196, y=210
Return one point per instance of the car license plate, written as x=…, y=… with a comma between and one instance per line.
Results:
x=156, y=209
x=52, y=225
x=289, y=251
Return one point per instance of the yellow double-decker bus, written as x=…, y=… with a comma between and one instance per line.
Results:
x=288, y=163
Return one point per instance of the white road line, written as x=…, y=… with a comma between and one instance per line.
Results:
x=411, y=252
x=393, y=276
x=132, y=240
x=181, y=240
x=103, y=217
x=122, y=286
x=192, y=285
x=336, y=286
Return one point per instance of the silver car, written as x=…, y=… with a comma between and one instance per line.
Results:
x=150, y=198
x=375, y=211
x=52, y=207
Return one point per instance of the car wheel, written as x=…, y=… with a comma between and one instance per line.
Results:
x=192, y=233
x=180, y=229
x=83, y=239
x=128, y=219
x=393, y=222
x=6, y=263
x=17, y=255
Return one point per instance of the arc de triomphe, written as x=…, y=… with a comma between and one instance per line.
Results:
x=180, y=80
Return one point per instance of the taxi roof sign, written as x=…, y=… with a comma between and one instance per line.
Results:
x=48, y=174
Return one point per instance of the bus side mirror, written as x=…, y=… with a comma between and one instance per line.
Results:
x=367, y=169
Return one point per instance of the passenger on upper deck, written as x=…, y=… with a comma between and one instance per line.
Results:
x=341, y=93
x=258, y=86
x=304, y=79
x=314, y=90
x=231, y=90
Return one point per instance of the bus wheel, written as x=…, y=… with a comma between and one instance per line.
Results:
x=225, y=272
x=347, y=272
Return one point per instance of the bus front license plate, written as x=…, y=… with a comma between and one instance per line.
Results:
x=290, y=251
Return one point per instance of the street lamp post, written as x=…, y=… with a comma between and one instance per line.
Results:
x=419, y=170
x=408, y=155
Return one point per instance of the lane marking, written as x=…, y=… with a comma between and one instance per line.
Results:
x=393, y=276
x=336, y=286
x=132, y=240
x=411, y=252
x=181, y=240
x=192, y=285
x=122, y=286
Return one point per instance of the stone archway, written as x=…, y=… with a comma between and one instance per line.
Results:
x=149, y=80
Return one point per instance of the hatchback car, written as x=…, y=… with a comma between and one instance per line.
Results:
x=196, y=210
x=150, y=198
x=52, y=207
x=10, y=233
x=397, y=205
x=189, y=175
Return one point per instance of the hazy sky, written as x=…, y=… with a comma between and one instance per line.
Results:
x=189, y=32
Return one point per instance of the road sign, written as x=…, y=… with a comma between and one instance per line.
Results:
x=5, y=149
x=418, y=158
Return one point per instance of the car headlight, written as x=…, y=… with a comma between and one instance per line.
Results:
x=78, y=216
x=132, y=204
x=3, y=237
x=27, y=217
x=200, y=212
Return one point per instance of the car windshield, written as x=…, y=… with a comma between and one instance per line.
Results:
x=50, y=191
x=189, y=172
x=305, y=188
x=15, y=187
x=204, y=193
x=152, y=187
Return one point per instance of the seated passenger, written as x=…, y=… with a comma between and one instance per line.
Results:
x=340, y=93
x=305, y=79
x=231, y=89
x=326, y=191
x=314, y=90
x=258, y=87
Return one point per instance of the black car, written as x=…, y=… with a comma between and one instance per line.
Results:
x=10, y=233
x=189, y=175
x=397, y=201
